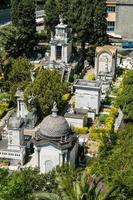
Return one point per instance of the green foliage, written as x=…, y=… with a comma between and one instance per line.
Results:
x=91, y=77
x=51, y=15
x=5, y=95
x=16, y=43
x=102, y=118
x=3, y=108
x=125, y=97
x=83, y=130
x=23, y=15
x=19, y=75
x=62, y=7
x=116, y=165
x=81, y=189
x=21, y=185
x=5, y=162
x=66, y=97
x=86, y=18
x=101, y=133
x=47, y=88
x=23, y=19
x=42, y=36
x=99, y=23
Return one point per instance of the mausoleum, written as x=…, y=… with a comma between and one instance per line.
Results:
x=88, y=94
x=61, y=43
x=54, y=143
x=60, y=56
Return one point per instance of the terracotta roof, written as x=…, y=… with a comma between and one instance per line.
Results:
x=107, y=48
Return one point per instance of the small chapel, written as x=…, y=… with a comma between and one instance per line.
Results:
x=54, y=143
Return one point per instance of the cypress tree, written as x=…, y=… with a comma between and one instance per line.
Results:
x=62, y=8
x=51, y=15
x=23, y=18
x=100, y=23
x=23, y=14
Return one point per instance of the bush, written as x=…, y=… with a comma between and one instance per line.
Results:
x=99, y=133
x=91, y=77
x=42, y=36
x=4, y=95
x=3, y=108
x=5, y=162
x=102, y=118
x=66, y=97
x=83, y=130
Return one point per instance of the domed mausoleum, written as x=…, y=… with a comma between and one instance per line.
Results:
x=54, y=142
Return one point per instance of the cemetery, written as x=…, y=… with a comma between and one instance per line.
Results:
x=87, y=115
x=88, y=110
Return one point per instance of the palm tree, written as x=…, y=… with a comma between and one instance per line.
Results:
x=81, y=189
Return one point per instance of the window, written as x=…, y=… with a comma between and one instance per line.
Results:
x=110, y=26
x=110, y=9
x=58, y=52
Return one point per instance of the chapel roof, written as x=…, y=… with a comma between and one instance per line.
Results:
x=54, y=126
x=107, y=48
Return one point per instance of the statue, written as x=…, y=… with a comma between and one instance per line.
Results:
x=31, y=101
x=61, y=19
x=71, y=111
x=54, y=109
x=86, y=64
x=52, y=36
x=32, y=75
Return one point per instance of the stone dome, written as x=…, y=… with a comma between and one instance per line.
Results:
x=54, y=127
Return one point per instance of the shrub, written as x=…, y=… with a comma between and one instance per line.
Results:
x=66, y=97
x=83, y=130
x=4, y=95
x=102, y=118
x=91, y=76
x=99, y=133
x=5, y=162
x=3, y=108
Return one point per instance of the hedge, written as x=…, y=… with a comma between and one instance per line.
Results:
x=99, y=133
x=3, y=108
x=83, y=130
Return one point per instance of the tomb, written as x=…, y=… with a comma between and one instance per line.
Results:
x=88, y=94
x=54, y=143
x=60, y=56
x=105, y=62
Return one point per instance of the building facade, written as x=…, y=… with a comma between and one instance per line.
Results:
x=111, y=15
x=119, y=18
x=124, y=24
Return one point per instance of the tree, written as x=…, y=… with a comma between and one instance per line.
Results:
x=51, y=15
x=23, y=18
x=23, y=15
x=47, y=88
x=100, y=23
x=13, y=42
x=19, y=76
x=125, y=97
x=68, y=189
x=116, y=165
x=62, y=8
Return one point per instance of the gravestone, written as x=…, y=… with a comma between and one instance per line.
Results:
x=105, y=61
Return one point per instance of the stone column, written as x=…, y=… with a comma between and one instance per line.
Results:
x=18, y=108
x=38, y=151
x=53, y=53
